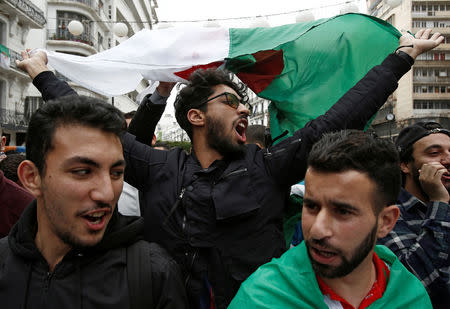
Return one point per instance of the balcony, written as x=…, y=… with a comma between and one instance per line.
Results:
x=84, y=41
x=93, y=5
x=431, y=96
x=441, y=30
x=12, y=70
x=13, y=120
x=431, y=79
x=27, y=12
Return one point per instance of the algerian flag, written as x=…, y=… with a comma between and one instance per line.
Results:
x=5, y=60
x=302, y=68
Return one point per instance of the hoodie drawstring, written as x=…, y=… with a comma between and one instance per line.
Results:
x=25, y=298
x=80, y=280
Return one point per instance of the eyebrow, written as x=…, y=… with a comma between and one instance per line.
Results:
x=339, y=205
x=88, y=161
x=433, y=146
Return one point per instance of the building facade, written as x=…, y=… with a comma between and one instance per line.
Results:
x=24, y=25
x=17, y=19
x=423, y=93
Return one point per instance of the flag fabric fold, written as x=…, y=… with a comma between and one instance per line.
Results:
x=301, y=68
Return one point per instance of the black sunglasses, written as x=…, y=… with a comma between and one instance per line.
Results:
x=232, y=100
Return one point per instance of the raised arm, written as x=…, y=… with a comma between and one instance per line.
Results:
x=149, y=113
x=35, y=64
x=286, y=161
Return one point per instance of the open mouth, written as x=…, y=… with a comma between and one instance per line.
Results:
x=96, y=220
x=240, y=129
x=446, y=176
x=324, y=253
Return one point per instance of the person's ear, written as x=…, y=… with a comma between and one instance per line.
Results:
x=387, y=219
x=405, y=167
x=196, y=117
x=29, y=177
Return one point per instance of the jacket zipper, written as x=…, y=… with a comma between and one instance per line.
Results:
x=230, y=174
x=175, y=206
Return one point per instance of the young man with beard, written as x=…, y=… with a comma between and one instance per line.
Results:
x=421, y=237
x=352, y=183
x=71, y=248
x=219, y=210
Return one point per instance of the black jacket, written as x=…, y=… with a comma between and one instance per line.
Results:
x=221, y=223
x=91, y=278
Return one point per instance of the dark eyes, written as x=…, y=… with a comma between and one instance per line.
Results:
x=81, y=172
x=337, y=210
x=86, y=171
x=343, y=212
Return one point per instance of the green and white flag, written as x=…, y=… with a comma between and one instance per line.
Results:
x=5, y=60
x=301, y=68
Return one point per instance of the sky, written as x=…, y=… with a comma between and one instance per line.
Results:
x=176, y=11
x=244, y=13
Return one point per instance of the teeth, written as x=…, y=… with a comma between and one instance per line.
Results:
x=97, y=215
x=241, y=125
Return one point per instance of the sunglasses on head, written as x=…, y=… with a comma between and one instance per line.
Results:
x=232, y=100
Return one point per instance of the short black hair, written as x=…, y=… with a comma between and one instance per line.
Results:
x=197, y=91
x=364, y=152
x=256, y=133
x=10, y=164
x=69, y=110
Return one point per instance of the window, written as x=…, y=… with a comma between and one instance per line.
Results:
x=62, y=33
x=31, y=105
x=431, y=104
x=2, y=95
x=2, y=32
x=100, y=41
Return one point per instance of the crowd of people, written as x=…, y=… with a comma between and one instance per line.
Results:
x=108, y=220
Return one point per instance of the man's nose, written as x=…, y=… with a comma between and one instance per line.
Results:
x=242, y=109
x=103, y=191
x=322, y=225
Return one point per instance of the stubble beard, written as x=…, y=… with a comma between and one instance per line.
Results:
x=217, y=140
x=66, y=236
x=346, y=266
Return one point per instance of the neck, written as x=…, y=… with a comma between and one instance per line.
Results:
x=205, y=154
x=414, y=189
x=52, y=248
x=355, y=286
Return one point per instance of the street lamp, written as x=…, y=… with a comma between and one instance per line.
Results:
x=75, y=27
x=390, y=117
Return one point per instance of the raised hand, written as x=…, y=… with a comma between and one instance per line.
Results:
x=164, y=88
x=431, y=181
x=33, y=62
x=421, y=42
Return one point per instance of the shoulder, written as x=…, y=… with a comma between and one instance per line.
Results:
x=413, y=293
x=158, y=257
x=286, y=282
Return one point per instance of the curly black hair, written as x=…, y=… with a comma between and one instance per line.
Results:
x=197, y=91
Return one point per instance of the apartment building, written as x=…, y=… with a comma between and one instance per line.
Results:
x=23, y=24
x=17, y=19
x=424, y=92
